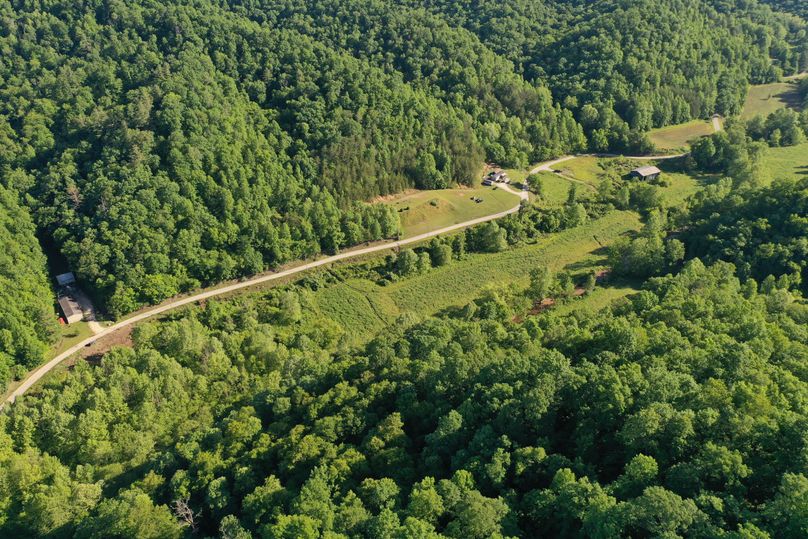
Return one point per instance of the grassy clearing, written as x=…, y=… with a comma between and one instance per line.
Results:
x=790, y=162
x=364, y=308
x=598, y=299
x=423, y=211
x=557, y=188
x=69, y=335
x=592, y=170
x=678, y=137
x=680, y=186
x=766, y=98
x=586, y=169
x=517, y=176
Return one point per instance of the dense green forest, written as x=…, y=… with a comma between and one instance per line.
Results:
x=167, y=145
x=27, y=321
x=626, y=66
x=762, y=232
x=797, y=7
x=678, y=413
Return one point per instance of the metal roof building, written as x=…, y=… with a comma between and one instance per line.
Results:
x=646, y=173
x=65, y=279
x=70, y=309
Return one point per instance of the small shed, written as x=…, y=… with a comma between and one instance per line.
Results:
x=66, y=279
x=70, y=309
x=648, y=173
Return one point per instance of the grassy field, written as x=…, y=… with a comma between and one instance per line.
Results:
x=677, y=137
x=586, y=169
x=766, y=98
x=68, y=336
x=422, y=211
x=366, y=308
x=681, y=186
x=790, y=162
x=591, y=170
x=517, y=176
x=556, y=189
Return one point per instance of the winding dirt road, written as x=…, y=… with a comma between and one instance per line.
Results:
x=37, y=375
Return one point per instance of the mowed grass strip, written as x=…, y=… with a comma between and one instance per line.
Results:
x=422, y=211
x=364, y=308
x=764, y=99
x=789, y=162
x=678, y=137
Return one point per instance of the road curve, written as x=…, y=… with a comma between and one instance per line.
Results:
x=37, y=375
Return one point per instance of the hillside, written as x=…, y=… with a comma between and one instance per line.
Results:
x=677, y=411
x=168, y=145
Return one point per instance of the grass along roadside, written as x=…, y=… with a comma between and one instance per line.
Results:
x=68, y=336
x=423, y=211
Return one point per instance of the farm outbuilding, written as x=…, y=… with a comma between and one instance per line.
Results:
x=648, y=173
x=65, y=279
x=70, y=309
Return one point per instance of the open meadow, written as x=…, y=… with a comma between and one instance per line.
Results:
x=789, y=162
x=556, y=188
x=678, y=137
x=764, y=99
x=591, y=171
x=422, y=211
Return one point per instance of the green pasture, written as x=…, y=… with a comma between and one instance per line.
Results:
x=591, y=171
x=557, y=188
x=423, y=211
x=789, y=162
x=764, y=99
x=678, y=137
x=586, y=169
x=364, y=308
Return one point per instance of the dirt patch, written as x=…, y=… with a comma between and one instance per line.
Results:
x=122, y=337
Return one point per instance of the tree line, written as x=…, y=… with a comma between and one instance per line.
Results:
x=27, y=322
